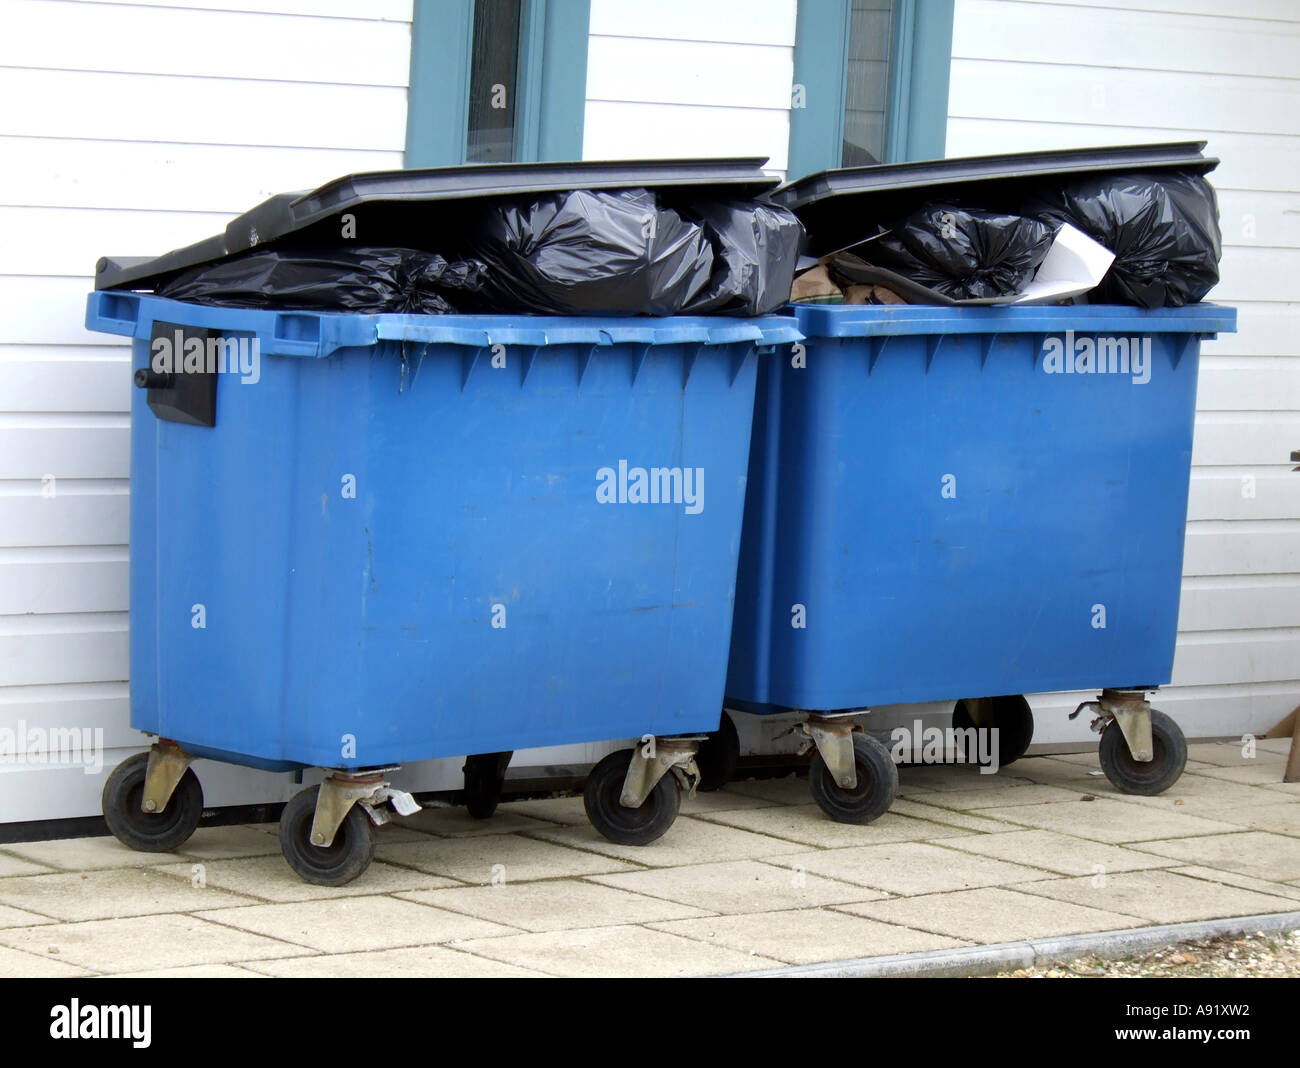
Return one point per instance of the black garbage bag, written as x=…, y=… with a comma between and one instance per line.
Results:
x=1163, y=229
x=755, y=250
x=585, y=252
x=355, y=279
x=963, y=253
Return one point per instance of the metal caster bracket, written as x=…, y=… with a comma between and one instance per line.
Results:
x=670, y=754
x=167, y=765
x=833, y=737
x=1131, y=712
x=341, y=790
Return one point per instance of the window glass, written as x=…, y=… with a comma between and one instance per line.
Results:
x=866, y=92
x=494, y=67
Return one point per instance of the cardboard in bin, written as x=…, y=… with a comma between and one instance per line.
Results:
x=1073, y=265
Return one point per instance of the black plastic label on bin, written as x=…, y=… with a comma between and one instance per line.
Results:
x=175, y=393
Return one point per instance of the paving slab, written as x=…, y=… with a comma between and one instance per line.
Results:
x=691, y=840
x=1257, y=773
x=15, y=964
x=805, y=936
x=1261, y=854
x=902, y=806
x=12, y=917
x=146, y=943
x=195, y=971
x=1059, y=853
x=1204, y=795
x=946, y=777
x=349, y=925
x=271, y=879
x=991, y=914
x=1005, y=795
x=111, y=894
x=554, y=905
x=508, y=858
x=788, y=790
x=1160, y=896
x=617, y=952
x=87, y=854
x=15, y=866
x=911, y=868
x=458, y=823
x=418, y=962
x=1281, y=817
x=808, y=825
x=1246, y=882
x=1235, y=754
x=1106, y=820
x=222, y=843
x=740, y=886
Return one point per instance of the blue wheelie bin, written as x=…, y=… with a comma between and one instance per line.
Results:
x=375, y=539
x=971, y=504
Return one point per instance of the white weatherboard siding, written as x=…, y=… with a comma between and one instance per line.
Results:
x=131, y=130
x=1041, y=74
x=684, y=78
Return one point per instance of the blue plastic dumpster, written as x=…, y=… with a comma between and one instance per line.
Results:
x=404, y=537
x=972, y=504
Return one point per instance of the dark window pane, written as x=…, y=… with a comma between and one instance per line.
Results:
x=866, y=91
x=492, y=82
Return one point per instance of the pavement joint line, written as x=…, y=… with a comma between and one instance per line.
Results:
x=1030, y=953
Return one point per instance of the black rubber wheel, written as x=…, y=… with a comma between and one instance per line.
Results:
x=485, y=774
x=339, y=862
x=150, y=832
x=871, y=798
x=629, y=826
x=1014, y=721
x=1150, y=777
x=718, y=756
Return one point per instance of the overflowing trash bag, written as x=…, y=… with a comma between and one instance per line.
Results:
x=963, y=253
x=755, y=251
x=1163, y=229
x=586, y=252
x=354, y=279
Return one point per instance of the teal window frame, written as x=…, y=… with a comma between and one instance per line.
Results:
x=551, y=92
x=919, y=64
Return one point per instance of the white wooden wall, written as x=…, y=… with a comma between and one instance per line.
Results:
x=1072, y=73
x=689, y=78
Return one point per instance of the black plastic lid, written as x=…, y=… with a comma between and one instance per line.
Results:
x=407, y=201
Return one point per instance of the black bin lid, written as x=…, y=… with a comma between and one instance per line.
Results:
x=834, y=205
x=415, y=201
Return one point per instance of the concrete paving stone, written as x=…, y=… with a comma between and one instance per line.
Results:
x=1258, y=773
x=1234, y=754
x=14, y=964
x=112, y=893
x=1059, y=853
x=1160, y=896
x=991, y=914
x=691, y=840
x=146, y=943
x=271, y=879
x=946, y=816
x=224, y=843
x=14, y=866
x=617, y=952
x=417, y=962
x=945, y=777
x=554, y=905
x=1261, y=854
x=195, y=971
x=87, y=854
x=458, y=823
x=739, y=886
x=1246, y=882
x=1005, y=796
x=807, y=936
x=1204, y=795
x=504, y=857
x=350, y=925
x=564, y=810
x=12, y=917
x=1281, y=817
x=808, y=825
x=909, y=868
x=725, y=800
x=1107, y=820
x=787, y=790
x=1292, y=788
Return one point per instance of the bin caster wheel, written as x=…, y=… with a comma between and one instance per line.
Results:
x=150, y=832
x=484, y=776
x=617, y=822
x=718, y=756
x=339, y=862
x=877, y=783
x=1149, y=777
x=1013, y=719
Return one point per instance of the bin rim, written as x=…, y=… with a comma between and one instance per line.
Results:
x=875, y=320
x=316, y=334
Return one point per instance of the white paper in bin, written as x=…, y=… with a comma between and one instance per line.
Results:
x=1073, y=265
